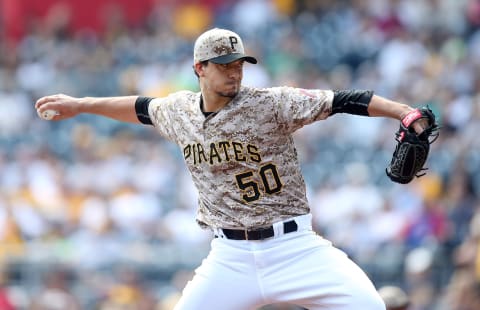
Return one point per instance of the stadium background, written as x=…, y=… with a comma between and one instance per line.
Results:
x=101, y=213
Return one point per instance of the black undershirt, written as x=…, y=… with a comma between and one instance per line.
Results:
x=351, y=101
x=206, y=114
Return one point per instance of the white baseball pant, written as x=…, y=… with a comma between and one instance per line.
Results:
x=298, y=268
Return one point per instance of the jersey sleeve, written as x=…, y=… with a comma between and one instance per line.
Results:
x=165, y=114
x=298, y=107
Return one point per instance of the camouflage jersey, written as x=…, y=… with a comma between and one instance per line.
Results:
x=242, y=158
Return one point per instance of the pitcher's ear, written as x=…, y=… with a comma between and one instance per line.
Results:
x=198, y=68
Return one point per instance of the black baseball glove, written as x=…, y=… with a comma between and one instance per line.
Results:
x=412, y=149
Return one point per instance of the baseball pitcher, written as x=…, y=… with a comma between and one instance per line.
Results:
x=237, y=143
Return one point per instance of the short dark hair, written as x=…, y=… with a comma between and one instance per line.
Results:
x=204, y=63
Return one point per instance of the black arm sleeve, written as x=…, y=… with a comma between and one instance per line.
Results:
x=351, y=101
x=141, y=108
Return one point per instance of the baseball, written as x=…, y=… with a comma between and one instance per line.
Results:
x=48, y=114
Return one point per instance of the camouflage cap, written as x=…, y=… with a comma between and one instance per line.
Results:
x=220, y=46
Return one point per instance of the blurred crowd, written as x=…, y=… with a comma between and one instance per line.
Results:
x=96, y=214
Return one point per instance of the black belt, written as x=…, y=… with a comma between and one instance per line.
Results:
x=258, y=234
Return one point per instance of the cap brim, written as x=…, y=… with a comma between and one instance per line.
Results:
x=225, y=59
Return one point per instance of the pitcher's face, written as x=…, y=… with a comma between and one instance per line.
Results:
x=224, y=79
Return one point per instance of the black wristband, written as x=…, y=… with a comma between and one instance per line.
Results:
x=141, y=108
x=351, y=101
